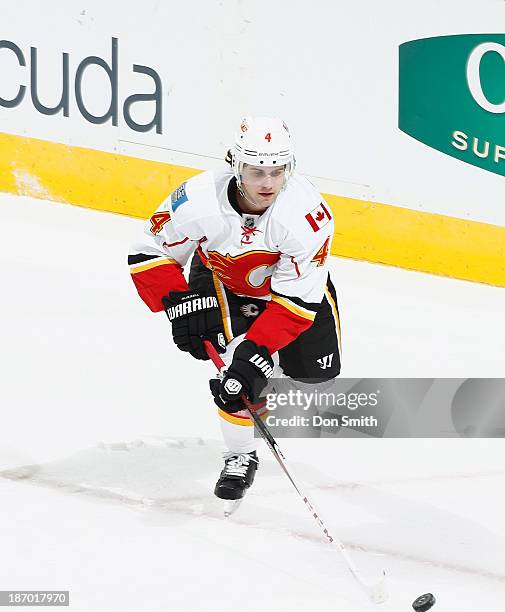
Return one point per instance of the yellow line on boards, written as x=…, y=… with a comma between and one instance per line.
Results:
x=84, y=177
x=421, y=241
x=367, y=231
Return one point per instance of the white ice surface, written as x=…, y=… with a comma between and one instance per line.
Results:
x=109, y=444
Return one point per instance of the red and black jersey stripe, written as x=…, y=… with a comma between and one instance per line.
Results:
x=155, y=276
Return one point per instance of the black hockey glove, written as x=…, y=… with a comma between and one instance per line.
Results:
x=195, y=318
x=252, y=365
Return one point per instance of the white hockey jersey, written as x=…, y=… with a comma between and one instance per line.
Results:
x=279, y=256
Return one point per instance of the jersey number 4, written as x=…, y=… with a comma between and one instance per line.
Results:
x=158, y=220
x=322, y=254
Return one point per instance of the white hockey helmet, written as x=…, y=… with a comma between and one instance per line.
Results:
x=263, y=141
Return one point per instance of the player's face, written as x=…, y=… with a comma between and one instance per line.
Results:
x=262, y=185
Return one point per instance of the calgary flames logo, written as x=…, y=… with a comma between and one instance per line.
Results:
x=247, y=274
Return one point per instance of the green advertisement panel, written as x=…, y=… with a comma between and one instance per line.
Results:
x=452, y=96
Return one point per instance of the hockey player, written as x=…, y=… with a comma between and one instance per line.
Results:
x=259, y=235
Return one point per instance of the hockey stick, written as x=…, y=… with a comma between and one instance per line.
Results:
x=376, y=592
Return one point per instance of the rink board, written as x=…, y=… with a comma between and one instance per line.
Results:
x=364, y=230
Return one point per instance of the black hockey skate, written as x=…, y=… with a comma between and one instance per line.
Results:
x=237, y=476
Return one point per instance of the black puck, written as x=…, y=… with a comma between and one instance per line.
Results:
x=424, y=602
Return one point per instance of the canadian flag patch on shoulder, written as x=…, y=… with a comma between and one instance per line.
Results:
x=318, y=217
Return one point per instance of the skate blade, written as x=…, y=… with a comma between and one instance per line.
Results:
x=230, y=506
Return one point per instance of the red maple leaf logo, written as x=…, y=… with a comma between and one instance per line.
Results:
x=320, y=216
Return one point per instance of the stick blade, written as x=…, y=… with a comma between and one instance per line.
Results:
x=378, y=593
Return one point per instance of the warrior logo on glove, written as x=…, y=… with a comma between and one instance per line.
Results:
x=191, y=303
x=247, y=375
x=263, y=365
x=195, y=318
x=232, y=386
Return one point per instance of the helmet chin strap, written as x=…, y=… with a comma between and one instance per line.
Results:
x=242, y=193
